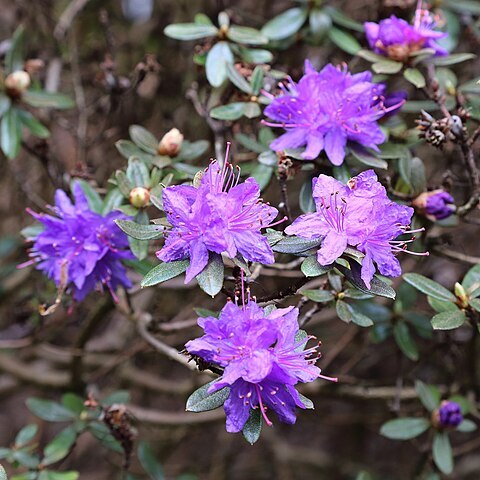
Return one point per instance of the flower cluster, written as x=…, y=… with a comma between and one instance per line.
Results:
x=79, y=249
x=448, y=415
x=263, y=357
x=327, y=109
x=221, y=216
x=358, y=214
x=397, y=39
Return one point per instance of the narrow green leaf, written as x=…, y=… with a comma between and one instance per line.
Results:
x=137, y=173
x=415, y=77
x=149, y=462
x=306, y=401
x=452, y=59
x=442, y=453
x=253, y=428
x=48, y=410
x=201, y=401
x=429, y=395
x=216, y=65
x=405, y=341
x=367, y=157
x=256, y=80
x=25, y=435
x=286, y=24
x=93, y=198
x=35, y=127
x=467, y=426
x=123, y=183
x=210, y=279
x=320, y=23
x=112, y=200
x=341, y=19
x=190, y=31
x=163, y=272
x=60, y=446
x=10, y=133
x=319, y=296
x=252, y=110
x=307, y=203
x=471, y=280
x=348, y=314
x=295, y=245
x=344, y=40
x=387, y=66
x=404, y=428
x=246, y=35
x=429, y=287
x=230, y=112
x=143, y=139
x=448, y=320
x=238, y=79
x=14, y=59
x=139, y=247
x=140, y=232
x=42, y=99
x=441, y=306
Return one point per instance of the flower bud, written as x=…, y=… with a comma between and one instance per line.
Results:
x=435, y=205
x=17, y=82
x=461, y=295
x=448, y=415
x=139, y=197
x=171, y=143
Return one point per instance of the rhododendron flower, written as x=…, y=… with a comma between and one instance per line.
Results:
x=449, y=414
x=221, y=216
x=435, y=205
x=80, y=249
x=263, y=357
x=397, y=39
x=360, y=215
x=327, y=109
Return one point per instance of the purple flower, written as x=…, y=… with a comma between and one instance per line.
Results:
x=358, y=214
x=79, y=249
x=397, y=39
x=449, y=414
x=327, y=109
x=263, y=357
x=219, y=216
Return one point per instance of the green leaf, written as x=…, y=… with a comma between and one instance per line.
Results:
x=119, y=396
x=48, y=410
x=442, y=453
x=441, y=306
x=93, y=198
x=341, y=19
x=42, y=99
x=286, y=24
x=252, y=110
x=60, y=446
x=253, y=428
x=268, y=158
x=377, y=286
x=320, y=23
x=404, y=428
x=112, y=200
x=138, y=173
x=475, y=304
x=35, y=127
x=139, y=247
x=201, y=401
x=25, y=435
x=471, y=280
x=73, y=402
x=140, y=232
x=129, y=149
x=311, y=268
x=26, y=459
x=149, y=462
x=306, y=402
x=452, y=59
x=367, y=157
x=415, y=77
x=466, y=426
x=405, y=341
x=190, y=31
x=448, y=320
x=49, y=475
x=429, y=395
x=295, y=245
x=462, y=6
x=5, y=104
x=143, y=139
x=348, y=314
x=344, y=40
x=216, y=65
x=123, y=183
x=210, y=279
x=163, y=272
x=307, y=203
x=429, y=287
x=238, y=79
x=10, y=133
x=256, y=80
x=387, y=66
x=14, y=59
x=3, y=474
x=256, y=55
x=319, y=296
x=246, y=35
x=370, y=56
x=232, y=111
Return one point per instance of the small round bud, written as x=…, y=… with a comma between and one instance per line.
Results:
x=17, y=82
x=171, y=143
x=435, y=205
x=139, y=197
x=448, y=415
x=461, y=294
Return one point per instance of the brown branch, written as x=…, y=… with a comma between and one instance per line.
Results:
x=173, y=419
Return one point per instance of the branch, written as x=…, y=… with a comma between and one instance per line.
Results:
x=162, y=418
